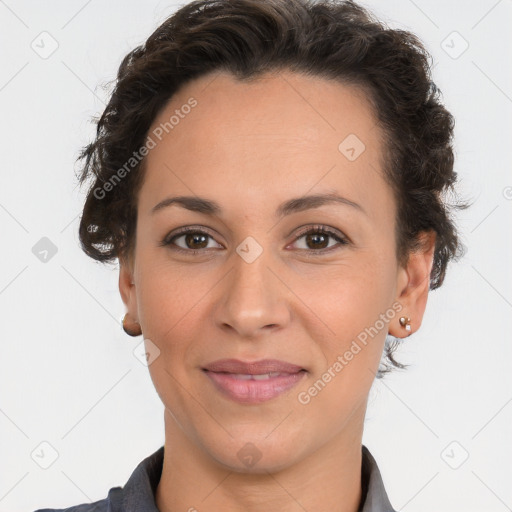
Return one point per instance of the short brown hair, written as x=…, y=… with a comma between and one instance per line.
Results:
x=326, y=38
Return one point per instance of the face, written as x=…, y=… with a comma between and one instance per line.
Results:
x=253, y=281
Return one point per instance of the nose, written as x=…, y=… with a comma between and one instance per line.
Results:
x=253, y=299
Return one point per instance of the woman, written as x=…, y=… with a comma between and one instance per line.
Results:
x=270, y=176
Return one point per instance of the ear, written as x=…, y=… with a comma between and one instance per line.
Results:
x=127, y=288
x=413, y=284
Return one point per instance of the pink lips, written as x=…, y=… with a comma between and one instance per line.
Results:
x=253, y=382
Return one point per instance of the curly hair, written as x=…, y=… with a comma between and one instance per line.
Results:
x=329, y=39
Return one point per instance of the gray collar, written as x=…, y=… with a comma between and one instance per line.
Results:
x=375, y=498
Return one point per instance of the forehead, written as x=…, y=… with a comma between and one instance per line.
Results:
x=294, y=131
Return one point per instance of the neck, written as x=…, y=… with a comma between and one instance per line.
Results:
x=328, y=479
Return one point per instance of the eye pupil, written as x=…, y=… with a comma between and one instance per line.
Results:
x=192, y=237
x=314, y=237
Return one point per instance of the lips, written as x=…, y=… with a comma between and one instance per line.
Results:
x=252, y=368
x=253, y=382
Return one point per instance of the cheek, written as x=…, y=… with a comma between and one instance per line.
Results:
x=350, y=297
x=166, y=297
x=169, y=306
x=355, y=314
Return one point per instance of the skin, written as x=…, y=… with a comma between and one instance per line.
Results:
x=249, y=147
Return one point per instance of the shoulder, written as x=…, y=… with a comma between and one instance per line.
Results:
x=104, y=505
x=97, y=506
x=136, y=494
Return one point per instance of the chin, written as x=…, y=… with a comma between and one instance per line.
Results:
x=256, y=454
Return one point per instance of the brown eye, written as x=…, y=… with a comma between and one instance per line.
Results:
x=194, y=241
x=316, y=239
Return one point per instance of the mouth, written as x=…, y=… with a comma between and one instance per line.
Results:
x=253, y=382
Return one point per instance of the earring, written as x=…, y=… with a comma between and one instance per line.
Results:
x=132, y=329
x=405, y=321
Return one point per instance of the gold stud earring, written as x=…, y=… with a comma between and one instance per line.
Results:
x=131, y=328
x=405, y=321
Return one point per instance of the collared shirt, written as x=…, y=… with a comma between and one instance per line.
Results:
x=138, y=494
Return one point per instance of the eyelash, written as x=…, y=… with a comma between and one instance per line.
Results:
x=318, y=229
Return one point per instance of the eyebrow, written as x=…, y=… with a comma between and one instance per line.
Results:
x=298, y=204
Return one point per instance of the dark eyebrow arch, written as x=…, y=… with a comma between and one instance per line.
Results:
x=299, y=204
